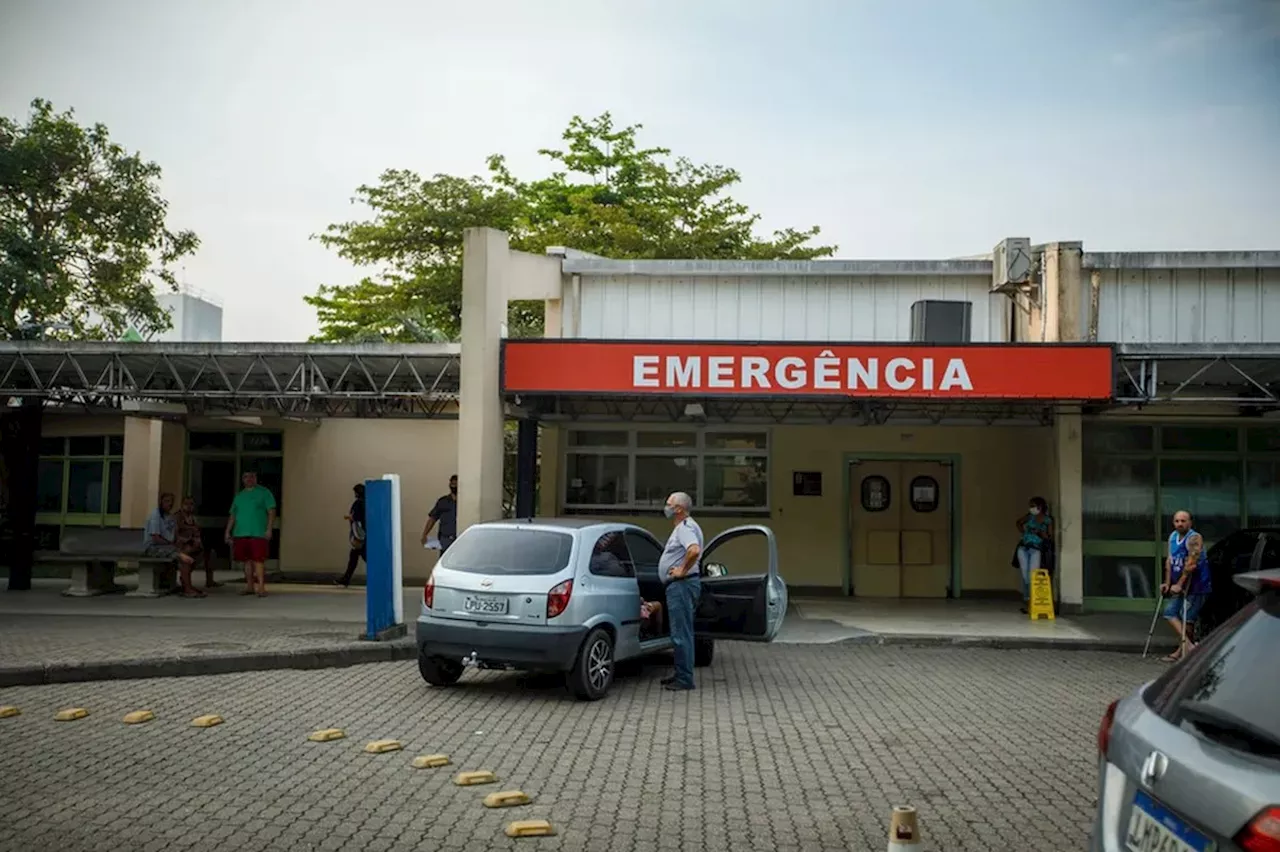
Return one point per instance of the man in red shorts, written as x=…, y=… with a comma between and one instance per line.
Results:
x=253, y=516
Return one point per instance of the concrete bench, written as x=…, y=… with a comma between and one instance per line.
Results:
x=94, y=555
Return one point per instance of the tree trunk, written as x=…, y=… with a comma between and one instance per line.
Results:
x=20, y=445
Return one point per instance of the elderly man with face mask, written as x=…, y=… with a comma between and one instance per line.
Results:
x=682, y=576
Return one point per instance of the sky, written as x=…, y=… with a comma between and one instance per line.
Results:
x=904, y=128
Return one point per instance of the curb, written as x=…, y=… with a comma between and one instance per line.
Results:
x=38, y=674
x=1003, y=643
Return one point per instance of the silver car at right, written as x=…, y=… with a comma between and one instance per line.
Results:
x=1191, y=761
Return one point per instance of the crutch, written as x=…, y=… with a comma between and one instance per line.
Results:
x=1154, y=616
x=1183, y=647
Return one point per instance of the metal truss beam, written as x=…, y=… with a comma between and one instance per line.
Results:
x=286, y=380
x=1233, y=376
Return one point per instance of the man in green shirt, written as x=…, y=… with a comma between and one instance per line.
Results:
x=253, y=517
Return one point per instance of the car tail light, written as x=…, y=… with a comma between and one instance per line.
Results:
x=429, y=592
x=558, y=598
x=1104, y=729
x=1263, y=834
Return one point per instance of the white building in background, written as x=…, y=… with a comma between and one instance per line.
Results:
x=197, y=317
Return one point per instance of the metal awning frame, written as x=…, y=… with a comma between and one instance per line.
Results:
x=1225, y=374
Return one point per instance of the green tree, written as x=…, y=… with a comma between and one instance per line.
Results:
x=605, y=194
x=82, y=231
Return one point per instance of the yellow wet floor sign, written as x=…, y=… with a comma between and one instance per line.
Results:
x=1041, y=595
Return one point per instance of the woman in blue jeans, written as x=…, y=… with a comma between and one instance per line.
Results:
x=1036, y=529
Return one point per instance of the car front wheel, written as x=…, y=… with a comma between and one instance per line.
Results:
x=703, y=652
x=439, y=671
x=592, y=673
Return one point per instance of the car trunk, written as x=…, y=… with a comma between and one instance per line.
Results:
x=501, y=574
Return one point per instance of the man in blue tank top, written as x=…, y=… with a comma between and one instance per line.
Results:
x=1186, y=579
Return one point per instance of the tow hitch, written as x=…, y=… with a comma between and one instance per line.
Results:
x=471, y=662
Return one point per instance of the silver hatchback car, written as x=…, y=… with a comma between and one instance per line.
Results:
x=565, y=595
x=1191, y=761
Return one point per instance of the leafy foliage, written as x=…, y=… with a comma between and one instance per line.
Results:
x=605, y=195
x=83, y=239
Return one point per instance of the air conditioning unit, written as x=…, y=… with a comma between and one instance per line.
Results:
x=937, y=321
x=1011, y=264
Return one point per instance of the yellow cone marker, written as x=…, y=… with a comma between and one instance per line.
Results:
x=70, y=714
x=530, y=828
x=383, y=746
x=470, y=779
x=327, y=735
x=6, y=711
x=904, y=830
x=430, y=761
x=506, y=799
x=137, y=717
x=206, y=721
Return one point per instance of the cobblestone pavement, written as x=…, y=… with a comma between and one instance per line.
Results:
x=782, y=747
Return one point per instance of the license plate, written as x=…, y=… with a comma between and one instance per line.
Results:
x=486, y=605
x=1155, y=828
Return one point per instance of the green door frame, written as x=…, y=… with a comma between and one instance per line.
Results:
x=951, y=459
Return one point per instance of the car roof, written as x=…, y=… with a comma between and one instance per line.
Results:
x=567, y=524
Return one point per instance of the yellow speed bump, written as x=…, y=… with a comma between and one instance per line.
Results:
x=383, y=746
x=530, y=828
x=430, y=761
x=6, y=711
x=137, y=717
x=70, y=714
x=470, y=779
x=506, y=799
x=206, y=721
x=327, y=735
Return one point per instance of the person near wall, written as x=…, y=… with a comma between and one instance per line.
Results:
x=252, y=518
x=444, y=513
x=355, y=535
x=1187, y=582
x=1035, y=544
x=160, y=541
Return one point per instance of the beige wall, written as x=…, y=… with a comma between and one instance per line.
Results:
x=1000, y=469
x=322, y=463
x=71, y=425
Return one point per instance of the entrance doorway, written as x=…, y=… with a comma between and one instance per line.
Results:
x=901, y=528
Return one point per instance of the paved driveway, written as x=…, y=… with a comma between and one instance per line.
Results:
x=782, y=747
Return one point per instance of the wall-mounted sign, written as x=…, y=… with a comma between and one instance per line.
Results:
x=806, y=483
x=919, y=371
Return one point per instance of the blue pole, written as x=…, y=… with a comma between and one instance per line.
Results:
x=379, y=558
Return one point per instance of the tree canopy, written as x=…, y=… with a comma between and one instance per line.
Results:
x=83, y=239
x=605, y=195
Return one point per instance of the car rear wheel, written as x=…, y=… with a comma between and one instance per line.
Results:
x=704, y=650
x=439, y=671
x=592, y=673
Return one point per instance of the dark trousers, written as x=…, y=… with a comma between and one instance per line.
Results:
x=353, y=560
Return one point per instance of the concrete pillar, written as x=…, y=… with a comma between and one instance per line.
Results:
x=1065, y=292
x=551, y=451
x=485, y=255
x=154, y=452
x=1069, y=510
x=553, y=318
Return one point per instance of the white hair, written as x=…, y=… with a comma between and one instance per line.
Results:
x=684, y=501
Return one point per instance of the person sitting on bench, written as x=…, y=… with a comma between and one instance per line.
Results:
x=159, y=540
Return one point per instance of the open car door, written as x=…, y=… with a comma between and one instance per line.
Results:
x=743, y=596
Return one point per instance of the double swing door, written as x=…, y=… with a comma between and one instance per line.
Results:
x=901, y=528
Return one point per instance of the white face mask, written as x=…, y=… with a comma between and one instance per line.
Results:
x=1034, y=510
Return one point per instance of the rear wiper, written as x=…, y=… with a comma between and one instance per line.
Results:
x=1226, y=725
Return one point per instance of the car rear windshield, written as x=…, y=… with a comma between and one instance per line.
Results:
x=1232, y=695
x=506, y=551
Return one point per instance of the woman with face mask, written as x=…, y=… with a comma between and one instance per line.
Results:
x=1036, y=529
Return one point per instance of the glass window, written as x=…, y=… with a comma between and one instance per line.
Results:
x=609, y=557
x=115, y=476
x=84, y=487
x=212, y=441
x=645, y=552
x=667, y=440
x=262, y=442
x=1120, y=576
x=1117, y=437
x=87, y=445
x=596, y=480
x=736, y=441
x=736, y=481
x=658, y=476
x=1208, y=489
x=1262, y=493
x=506, y=552
x=875, y=494
x=1200, y=439
x=53, y=446
x=115, y=445
x=213, y=485
x=1263, y=439
x=1119, y=497
x=598, y=438
x=49, y=486
x=924, y=494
